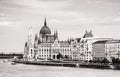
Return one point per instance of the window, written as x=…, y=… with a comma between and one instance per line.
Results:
x=31, y=51
x=39, y=49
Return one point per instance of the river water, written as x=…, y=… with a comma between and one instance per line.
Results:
x=22, y=70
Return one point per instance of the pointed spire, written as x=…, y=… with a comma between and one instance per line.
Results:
x=85, y=31
x=30, y=31
x=36, y=37
x=45, y=23
x=30, y=38
x=90, y=31
x=56, y=34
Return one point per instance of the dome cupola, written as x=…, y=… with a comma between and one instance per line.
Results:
x=45, y=29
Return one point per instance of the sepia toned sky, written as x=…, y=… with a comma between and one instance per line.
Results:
x=69, y=17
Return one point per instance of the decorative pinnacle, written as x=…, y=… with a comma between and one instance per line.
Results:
x=45, y=23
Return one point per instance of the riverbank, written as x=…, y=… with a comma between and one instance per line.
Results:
x=67, y=64
x=96, y=65
x=47, y=63
x=10, y=56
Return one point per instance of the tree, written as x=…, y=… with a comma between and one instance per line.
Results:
x=115, y=60
x=67, y=57
x=90, y=61
x=97, y=60
x=105, y=60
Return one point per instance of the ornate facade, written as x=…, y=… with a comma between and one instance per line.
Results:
x=46, y=46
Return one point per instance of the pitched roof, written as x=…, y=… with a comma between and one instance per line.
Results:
x=88, y=34
x=113, y=41
x=100, y=42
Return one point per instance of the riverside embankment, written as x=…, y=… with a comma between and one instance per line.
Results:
x=67, y=64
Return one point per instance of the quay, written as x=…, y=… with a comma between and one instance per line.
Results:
x=47, y=63
x=67, y=64
x=96, y=65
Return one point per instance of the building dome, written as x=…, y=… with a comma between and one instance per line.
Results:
x=45, y=29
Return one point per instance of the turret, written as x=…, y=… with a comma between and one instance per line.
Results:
x=88, y=34
x=30, y=36
x=85, y=31
x=36, y=40
x=55, y=35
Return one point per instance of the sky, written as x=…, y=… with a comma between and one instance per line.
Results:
x=69, y=17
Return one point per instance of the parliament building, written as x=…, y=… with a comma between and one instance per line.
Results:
x=46, y=46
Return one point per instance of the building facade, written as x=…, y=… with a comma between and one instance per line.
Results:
x=99, y=51
x=88, y=45
x=29, y=48
x=113, y=49
x=106, y=49
x=46, y=46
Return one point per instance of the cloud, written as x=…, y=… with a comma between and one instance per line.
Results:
x=2, y=15
x=43, y=4
x=59, y=11
x=5, y=23
x=117, y=19
x=68, y=16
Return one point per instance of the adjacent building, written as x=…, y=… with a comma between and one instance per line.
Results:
x=106, y=49
x=113, y=49
x=99, y=50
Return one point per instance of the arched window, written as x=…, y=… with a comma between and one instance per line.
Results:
x=53, y=56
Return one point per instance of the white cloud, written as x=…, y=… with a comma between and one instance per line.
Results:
x=5, y=23
x=42, y=4
x=117, y=19
x=2, y=15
